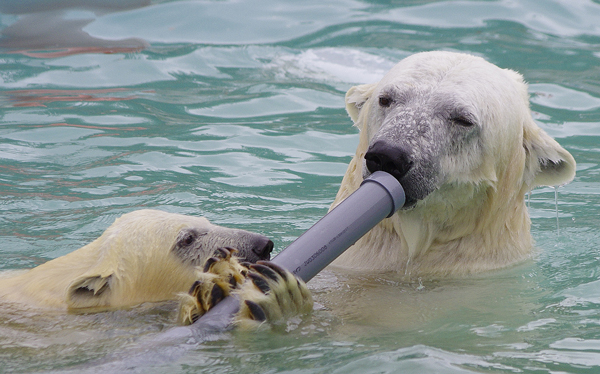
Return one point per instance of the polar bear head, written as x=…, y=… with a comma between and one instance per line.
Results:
x=458, y=134
x=441, y=119
x=147, y=255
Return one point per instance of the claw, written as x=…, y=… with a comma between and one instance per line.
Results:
x=281, y=271
x=194, y=317
x=194, y=287
x=231, y=249
x=246, y=266
x=216, y=295
x=266, y=271
x=232, y=282
x=258, y=314
x=209, y=263
x=259, y=282
x=223, y=252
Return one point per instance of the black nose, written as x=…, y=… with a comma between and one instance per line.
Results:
x=384, y=156
x=263, y=248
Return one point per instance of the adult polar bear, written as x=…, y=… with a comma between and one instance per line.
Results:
x=458, y=134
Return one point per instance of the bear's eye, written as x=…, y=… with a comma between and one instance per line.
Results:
x=462, y=121
x=385, y=101
x=187, y=240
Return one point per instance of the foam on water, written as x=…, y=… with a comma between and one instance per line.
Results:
x=333, y=64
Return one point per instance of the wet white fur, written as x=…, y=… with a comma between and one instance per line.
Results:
x=476, y=219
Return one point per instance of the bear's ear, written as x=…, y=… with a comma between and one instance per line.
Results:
x=356, y=97
x=548, y=164
x=89, y=292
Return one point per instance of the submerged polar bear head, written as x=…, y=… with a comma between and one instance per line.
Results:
x=150, y=255
x=457, y=132
x=144, y=256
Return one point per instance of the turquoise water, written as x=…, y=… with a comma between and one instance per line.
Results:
x=234, y=110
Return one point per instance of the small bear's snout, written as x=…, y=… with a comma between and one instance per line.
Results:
x=263, y=247
x=385, y=156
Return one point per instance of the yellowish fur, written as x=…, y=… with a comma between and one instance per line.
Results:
x=224, y=272
x=286, y=296
x=130, y=263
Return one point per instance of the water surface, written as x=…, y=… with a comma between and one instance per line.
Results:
x=234, y=110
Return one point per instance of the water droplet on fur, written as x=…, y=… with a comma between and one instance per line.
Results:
x=556, y=207
x=420, y=287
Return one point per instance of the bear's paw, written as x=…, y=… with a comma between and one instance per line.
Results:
x=271, y=294
x=221, y=274
x=268, y=293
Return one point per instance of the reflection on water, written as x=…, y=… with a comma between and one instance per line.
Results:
x=236, y=112
x=45, y=29
x=24, y=98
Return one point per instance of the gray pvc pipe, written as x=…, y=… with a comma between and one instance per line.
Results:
x=378, y=197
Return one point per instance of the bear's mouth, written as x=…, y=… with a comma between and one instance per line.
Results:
x=410, y=201
x=418, y=179
x=257, y=248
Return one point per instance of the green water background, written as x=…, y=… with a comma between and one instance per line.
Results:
x=234, y=110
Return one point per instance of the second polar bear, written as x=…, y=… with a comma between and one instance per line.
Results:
x=458, y=134
x=144, y=256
